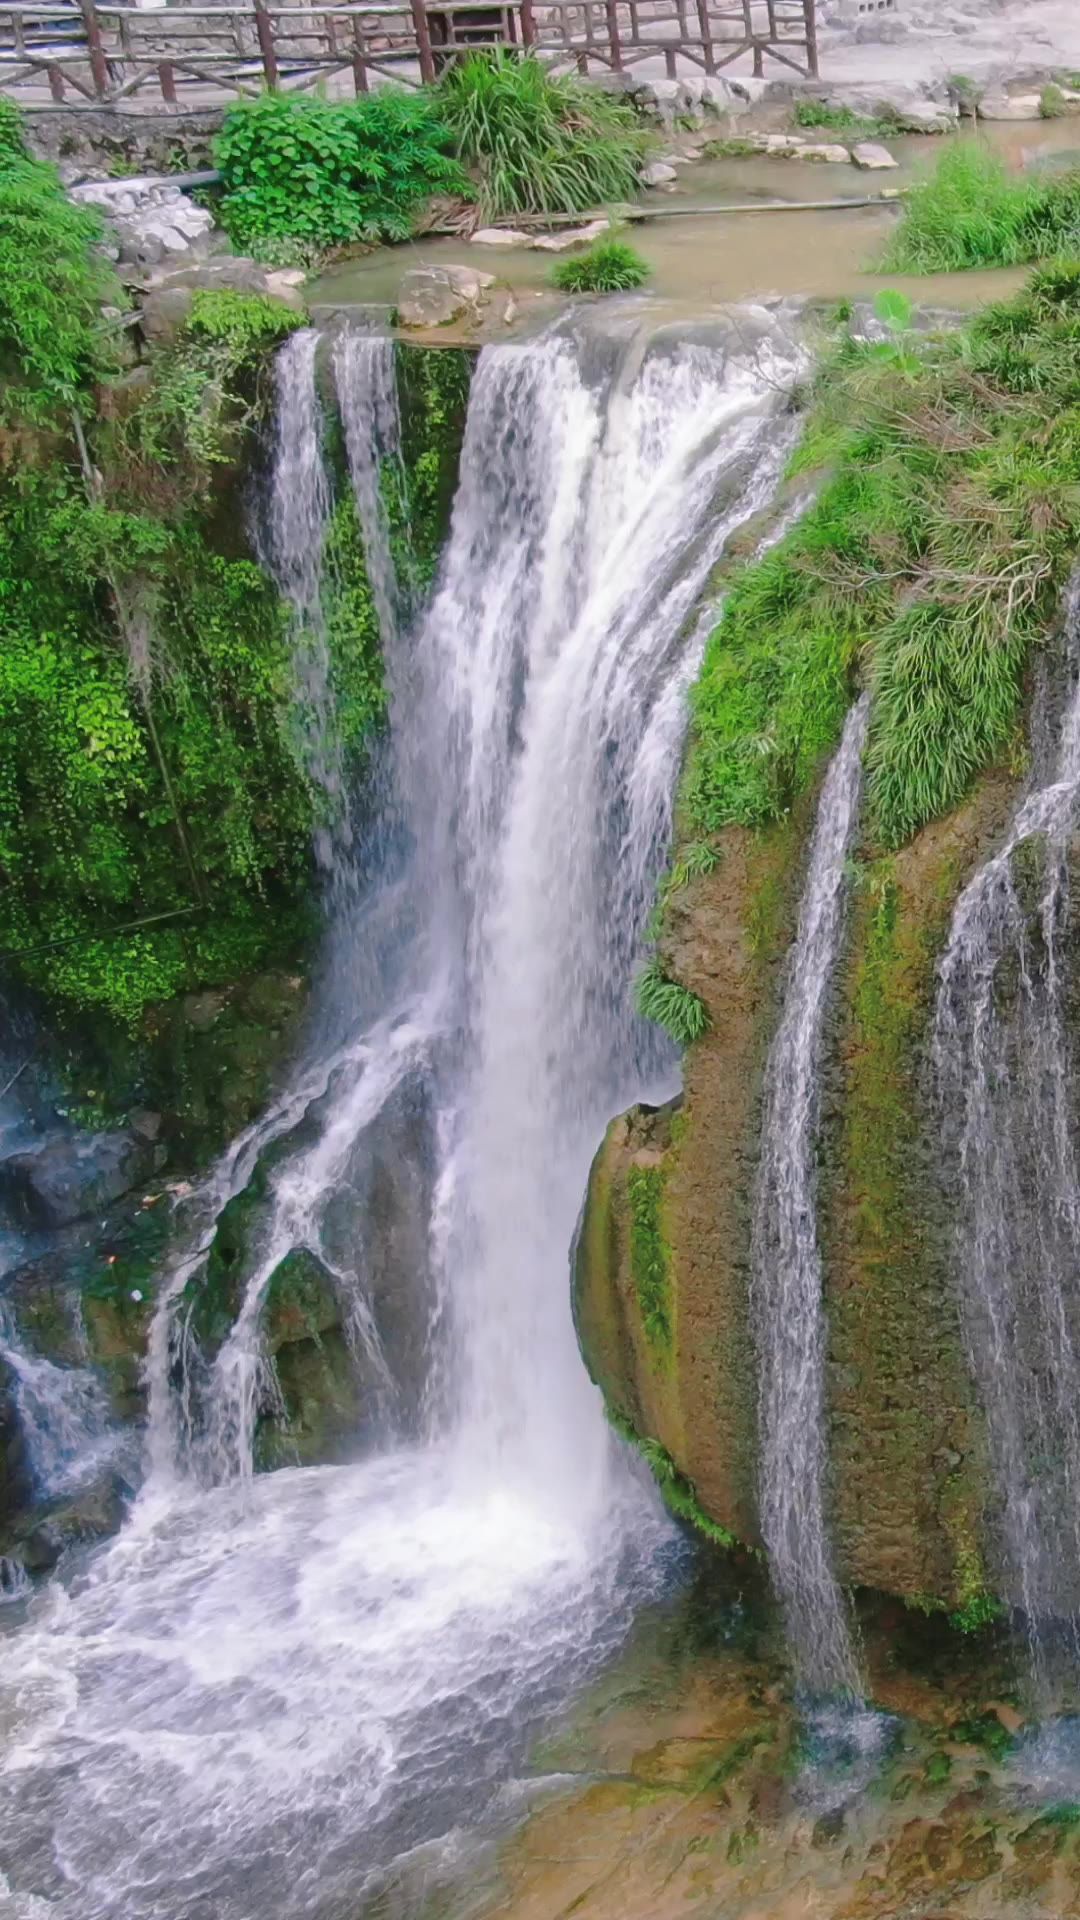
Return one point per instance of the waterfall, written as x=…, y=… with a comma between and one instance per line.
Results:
x=63, y=1416
x=786, y=1260
x=279, y=1684
x=1006, y=1088
x=290, y=535
x=367, y=396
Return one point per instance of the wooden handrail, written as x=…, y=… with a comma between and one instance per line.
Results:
x=113, y=49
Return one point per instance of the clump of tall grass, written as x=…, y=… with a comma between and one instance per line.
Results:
x=933, y=558
x=670, y=1005
x=608, y=266
x=537, y=143
x=972, y=212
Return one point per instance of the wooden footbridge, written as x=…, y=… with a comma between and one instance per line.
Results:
x=91, y=55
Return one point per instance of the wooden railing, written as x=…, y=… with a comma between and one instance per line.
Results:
x=93, y=55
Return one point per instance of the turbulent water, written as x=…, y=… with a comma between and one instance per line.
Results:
x=1007, y=1091
x=787, y=1273
x=270, y=1688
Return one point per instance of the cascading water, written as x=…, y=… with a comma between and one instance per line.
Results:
x=786, y=1260
x=1006, y=1088
x=273, y=1686
x=63, y=1416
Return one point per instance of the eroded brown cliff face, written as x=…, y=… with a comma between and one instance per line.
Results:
x=908, y=1481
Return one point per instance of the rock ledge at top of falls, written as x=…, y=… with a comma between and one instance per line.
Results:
x=433, y=296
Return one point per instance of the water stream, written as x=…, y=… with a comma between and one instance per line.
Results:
x=271, y=1688
x=787, y=1273
x=1005, y=1079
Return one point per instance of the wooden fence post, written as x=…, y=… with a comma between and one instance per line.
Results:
x=611, y=10
x=96, y=47
x=528, y=25
x=810, y=16
x=423, y=42
x=167, y=82
x=706, y=36
x=264, y=29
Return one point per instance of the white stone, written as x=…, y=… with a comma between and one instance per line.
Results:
x=285, y=278
x=1010, y=106
x=573, y=237
x=873, y=157
x=501, y=237
x=657, y=174
x=827, y=151
x=924, y=116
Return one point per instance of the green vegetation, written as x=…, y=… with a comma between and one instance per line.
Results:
x=155, y=820
x=934, y=555
x=678, y=1493
x=1052, y=102
x=328, y=173
x=650, y=1262
x=972, y=212
x=662, y=999
x=608, y=266
x=539, y=143
x=52, y=284
x=937, y=1769
x=817, y=113
x=985, y=1731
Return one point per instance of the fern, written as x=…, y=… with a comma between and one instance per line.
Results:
x=671, y=1006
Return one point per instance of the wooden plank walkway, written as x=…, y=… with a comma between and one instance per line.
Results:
x=91, y=55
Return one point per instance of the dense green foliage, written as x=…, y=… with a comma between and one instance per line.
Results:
x=326, y=173
x=155, y=820
x=52, y=284
x=608, y=266
x=934, y=554
x=539, y=143
x=649, y=1257
x=972, y=212
x=204, y=394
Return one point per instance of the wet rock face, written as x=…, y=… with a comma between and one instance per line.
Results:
x=16, y=1484
x=907, y=1492
x=74, y=1176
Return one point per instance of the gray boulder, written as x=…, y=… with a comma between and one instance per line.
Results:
x=74, y=1177
x=434, y=296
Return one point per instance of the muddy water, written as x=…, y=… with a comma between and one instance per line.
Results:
x=708, y=259
x=681, y=1786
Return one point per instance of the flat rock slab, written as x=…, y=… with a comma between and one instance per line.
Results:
x=573, y=237
x=870, y=155
x=501, y=237
x=658, y=174
x=1010, y=106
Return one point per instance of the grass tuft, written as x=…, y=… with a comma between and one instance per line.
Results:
x=608, y=266
x=972, y=212
x=670, y=1005
x=539, y=143
x=933, y=557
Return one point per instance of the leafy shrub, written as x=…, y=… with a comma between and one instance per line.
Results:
x=608, y=266
x=539, y=144
x=971, y=212
x=12, y=140
x=326, y=173
x=649, y=1256
x=203, y=393
x=670, y=1005
x=52, y=283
